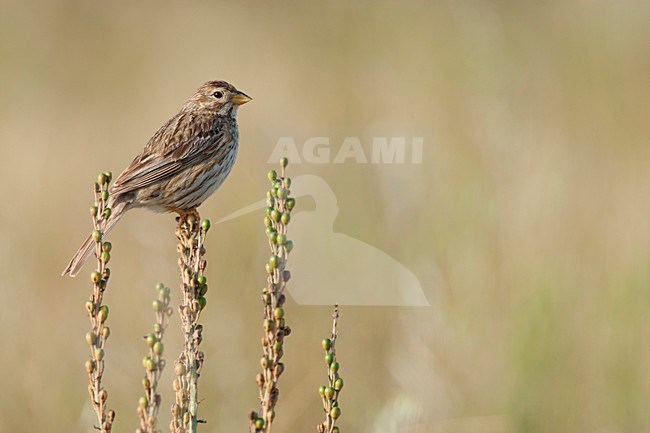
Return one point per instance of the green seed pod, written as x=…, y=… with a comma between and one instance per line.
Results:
x=107, y=212
x=148, y=363
x=277, y=347
x=335, y=412
x=156, y=305
x=91, y=338
x=259, y=423
x=269, y=269
x=281, y=239
x=329, y=358
x=179, y=369
x=265, y=362
x=269, y=210
x=202, y=280
x=203, y=290
x=202, y=302
x=334, y=367
x=158, y=348
x=105, y=195
x=289, y=246
x=270, y=415
x=327, y=343
x=268, y=325
x=96, y=187
x=160, y=286
x=93, y=211
x=272, y=175
x=285, y=218
x=274, y=261
x=274, y=237
x=338, y=384
x=97, y=235
x=106, y=332
x=336, y=429
x=105, y=257
x=151, y=339
x=142, y=402
x=275, y=215
x=90, y=366
x=146, y=383
x=329, y=392
x=205, y=225
x=321, y=390
x=286, y=182
x=291, y=203
x=99, y=354
x=284, y=161
x=107, y=246
x=267, y=221
x=157, y=328
x=282, y=193
x=102, y=314
x=101, y=178
x=278, y=313
x=109, y=176
x=270, y=231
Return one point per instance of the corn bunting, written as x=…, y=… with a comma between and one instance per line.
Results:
x=184, y=162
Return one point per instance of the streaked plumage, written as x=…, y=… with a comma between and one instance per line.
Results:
x=184, y=162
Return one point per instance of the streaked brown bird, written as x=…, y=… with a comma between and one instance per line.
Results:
x=184, y=162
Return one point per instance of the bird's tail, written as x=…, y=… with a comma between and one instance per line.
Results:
x=86, y=248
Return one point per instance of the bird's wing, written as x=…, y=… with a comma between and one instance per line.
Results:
x=180, y=143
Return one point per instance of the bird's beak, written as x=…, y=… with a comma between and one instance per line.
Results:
x=240, y=98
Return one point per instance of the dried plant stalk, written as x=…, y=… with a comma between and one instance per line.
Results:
x=330, y=393
x=98, y=313
x=191, y=235
x=278, y=215
x=153, y=363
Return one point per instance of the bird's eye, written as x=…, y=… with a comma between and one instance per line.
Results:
x=218, y=94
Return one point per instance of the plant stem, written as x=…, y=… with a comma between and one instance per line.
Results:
x=191, y=235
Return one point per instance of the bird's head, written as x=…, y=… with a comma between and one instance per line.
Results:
x=218, y=97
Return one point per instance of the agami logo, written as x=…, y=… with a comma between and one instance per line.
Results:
x=329, y=267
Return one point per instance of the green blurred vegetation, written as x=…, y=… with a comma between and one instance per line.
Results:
x=527, y=222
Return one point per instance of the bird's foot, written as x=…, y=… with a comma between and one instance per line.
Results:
x=191, y=215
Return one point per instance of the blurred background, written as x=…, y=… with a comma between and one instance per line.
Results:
x=526, y=223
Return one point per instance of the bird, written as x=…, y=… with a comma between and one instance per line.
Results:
x=183, y=163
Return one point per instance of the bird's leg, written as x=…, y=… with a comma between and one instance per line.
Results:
x=193, y=212
x=184, y=214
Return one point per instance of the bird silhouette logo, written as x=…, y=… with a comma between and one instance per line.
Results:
x=329, y=267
